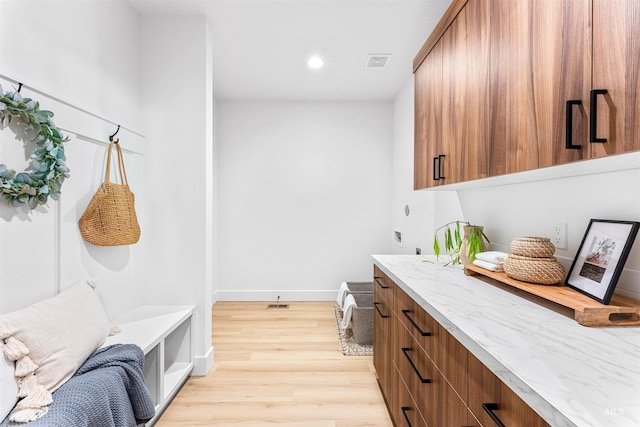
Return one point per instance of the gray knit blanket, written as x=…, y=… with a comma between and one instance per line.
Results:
x=108, y=390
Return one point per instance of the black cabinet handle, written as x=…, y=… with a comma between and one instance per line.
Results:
x=380, y=284
x=490, y=407
x=415, y=325
x=594, y=115
x=440, y=166
x=569, y=145
x=437, y=167
x=404, y=412
x=423, y=380
x=384, y=316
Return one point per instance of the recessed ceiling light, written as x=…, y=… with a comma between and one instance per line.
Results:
x=315, y=62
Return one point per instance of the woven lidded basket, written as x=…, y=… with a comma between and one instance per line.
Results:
x=542, y=271
x=533, y=247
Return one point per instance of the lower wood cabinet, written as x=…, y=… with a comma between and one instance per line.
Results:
x=382, y=329
x=404, y=408
x=493, y=402
x=428, y=378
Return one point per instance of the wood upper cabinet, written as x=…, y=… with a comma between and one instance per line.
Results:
x=451, y=103
x=616, y=69
x=506, y=86
x=539, y=61
x=465, y=104
x=428, y=122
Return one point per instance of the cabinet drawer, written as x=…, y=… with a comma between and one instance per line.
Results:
x=383, y=287
x=404, y=409
x=454, y=412
x=418, y=373
x=491, y=400
x=382, y=339
x=426, y=331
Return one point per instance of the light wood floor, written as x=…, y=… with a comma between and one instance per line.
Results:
x=279, y=366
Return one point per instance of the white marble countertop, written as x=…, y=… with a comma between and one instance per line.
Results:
x=572, y=375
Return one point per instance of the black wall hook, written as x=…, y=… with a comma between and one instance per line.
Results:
x=19, y=87
x=114, y=134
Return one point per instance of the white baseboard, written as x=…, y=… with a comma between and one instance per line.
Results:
x=203, y=364
x=270, y=295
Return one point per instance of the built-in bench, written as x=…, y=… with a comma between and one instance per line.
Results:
x=166, y=336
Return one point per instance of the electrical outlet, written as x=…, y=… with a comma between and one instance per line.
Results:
x=418, y=251
x=559, y=235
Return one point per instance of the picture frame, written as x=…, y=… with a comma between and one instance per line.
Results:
x=601, y=256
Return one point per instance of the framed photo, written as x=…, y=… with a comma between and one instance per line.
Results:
x=601, y=257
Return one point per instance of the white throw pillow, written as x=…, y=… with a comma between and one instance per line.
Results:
x=49, y=340
x=8, y=384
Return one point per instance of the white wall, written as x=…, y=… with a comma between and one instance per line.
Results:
x=87, y=75
x=530, y=208
x=304, y=196
x=177, y=105
x=97, y=64
x=427, y=209
x=524, y=204
x=83, y=51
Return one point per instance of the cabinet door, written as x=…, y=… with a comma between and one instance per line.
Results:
x=424, y=328
x=428, y=121
x=404, y=409
x=383, y=287
x=454, y=365
x=451, y=103
x=488, y=394
x=454, y=413
x=382, y=342
x=465, y=98
x=419, y=374
x=539, y=61
x=616, y=68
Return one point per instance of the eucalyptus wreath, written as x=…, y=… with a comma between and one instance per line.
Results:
x=47, y=169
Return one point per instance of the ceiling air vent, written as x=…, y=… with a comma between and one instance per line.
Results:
x=378, y=61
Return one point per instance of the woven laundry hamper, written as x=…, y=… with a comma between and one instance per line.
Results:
x=362, y=319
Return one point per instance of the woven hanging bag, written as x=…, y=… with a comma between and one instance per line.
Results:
x=110, y=219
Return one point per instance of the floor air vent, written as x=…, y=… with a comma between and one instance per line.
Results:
x=277, y=304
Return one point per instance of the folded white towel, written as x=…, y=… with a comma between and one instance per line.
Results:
x=495, y=257
x=488, y=265
x=342, y=293
x=347, y=311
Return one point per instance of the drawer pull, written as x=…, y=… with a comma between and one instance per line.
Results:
x=380, y=284
x=440, y=166
x=490, y=407
x=423, y=380
x=594, y=115
x=437, y=167
x=569, y=145
x=384, y=316
x=415, y=325
x=404, y=412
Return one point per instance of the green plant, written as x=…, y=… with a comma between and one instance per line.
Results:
x=453, y=241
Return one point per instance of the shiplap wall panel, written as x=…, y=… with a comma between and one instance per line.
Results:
x=42, y=251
